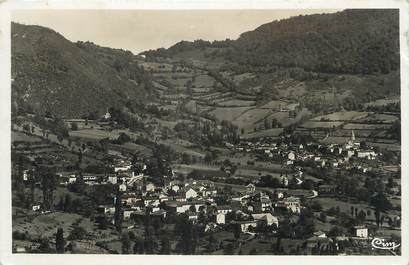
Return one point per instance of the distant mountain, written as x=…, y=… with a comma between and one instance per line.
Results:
x=52, y=74
x=358, y=41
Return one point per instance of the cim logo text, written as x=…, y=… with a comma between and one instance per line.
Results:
x=381, y=243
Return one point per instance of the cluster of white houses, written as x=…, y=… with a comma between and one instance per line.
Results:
x=322, y=155
x=195, y=197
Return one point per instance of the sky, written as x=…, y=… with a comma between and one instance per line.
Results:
x=141, y=30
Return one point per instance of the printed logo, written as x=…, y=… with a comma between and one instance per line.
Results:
x=381, y=243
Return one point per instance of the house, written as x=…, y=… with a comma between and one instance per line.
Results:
x=123, y=167
x=327, y=189
x=107, y=115
x=361, y=231
x=284, y=180
x=320, y=234
x=190, y=193
x=106, y=209
x=291, y=156
x=369, y=154
x=246, y=225
x=163, y=197
x=112, y=179
x=192, y=216
x=209, y=192
x=250, y=188
x=122, y=187
x=149, y=187
x=350, y=153
x=127, y=213
x=20, y=250
x=130, y=199
x=175, y=188
x=179, y=198
x=182, y=207
x=261, y=203
x=151, y=201
x=221, y=218
x=36, y=207
x=268, y=218
x=159, y=213
x=224, y=209
x=72, y=179
x=291, y=203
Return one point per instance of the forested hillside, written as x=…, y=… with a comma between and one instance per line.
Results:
x=51, y=74
x=352, y=41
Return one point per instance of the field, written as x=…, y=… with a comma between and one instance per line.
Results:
x=181, y=148
x=254, y=173
x=228, y=114
x=321, y=124
x=47, y=224
x=203, y=81
x=274, y=104
x=346, y=206
x=362, y=126
x=22, y=137
x=186, y=169
x=236, y=103
x=378, y=118
x=248, y=118
x=383, y=102
x=93, y=134
x=341, y=116
x=265, y=133
x=96, y=134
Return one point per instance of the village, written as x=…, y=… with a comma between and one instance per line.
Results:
x=285, y=205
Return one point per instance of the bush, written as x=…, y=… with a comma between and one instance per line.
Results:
x=17, y=235
x=77, y=233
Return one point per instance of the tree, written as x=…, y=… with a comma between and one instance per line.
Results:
x=118, y=216
x=77, y=233
x=139, y=247
x=126, y=243
x=149, y=242
x=236, y=231
x=49, y=182
x=184, y=230
x=323, y=217
x=377, y=217
x=380, y=202
x=59, y=241
x=305, y=226
x=212, y=243
x=361, y=216
x=337, y=231
x=67, y=206
x=74, y=126
x=165, y=245
x=228, y=249
x=316, y=206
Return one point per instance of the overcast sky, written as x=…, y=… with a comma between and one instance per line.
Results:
x=140, y=30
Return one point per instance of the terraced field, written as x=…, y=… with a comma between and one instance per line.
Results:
x=342, y=116
x=232, y=113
